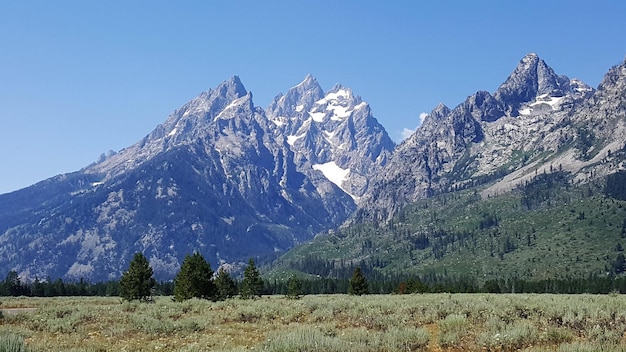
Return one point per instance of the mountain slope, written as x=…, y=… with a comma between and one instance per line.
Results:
x=528, y=124
x=545, y=230
x=332, y=133
x=216, y=177
x=527, y=182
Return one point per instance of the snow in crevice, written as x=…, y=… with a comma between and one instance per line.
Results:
x=173, y=132
x=317, y=116
x=233, y=104
x=541, y=102
x=339, y=112
x=299, y=108
x=360, y=105
x=341, y=93
x=334, y=174
x=292, y=139
x=279, y=121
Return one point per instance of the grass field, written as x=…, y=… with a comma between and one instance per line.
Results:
x=429, y=322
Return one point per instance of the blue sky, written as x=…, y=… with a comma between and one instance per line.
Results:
x=78, y=78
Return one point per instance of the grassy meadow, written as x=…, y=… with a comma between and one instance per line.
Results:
x=428, y=322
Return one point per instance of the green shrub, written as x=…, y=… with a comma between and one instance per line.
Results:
x=409, y=339
x=12, y=343
x=305, y=339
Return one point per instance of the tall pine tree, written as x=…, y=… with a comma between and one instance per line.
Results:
x=294, y=287
x=252, y=284
x=137, y=282
x=226, y=286
x=195, y=279
x=358, y=283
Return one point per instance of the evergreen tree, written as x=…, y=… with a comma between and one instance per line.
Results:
x=137, y=282
x=294, y=287
x=13, y=284
x=358, y=283
x=225, y=285
x=252, y=284
x=195, y=279
x=619, y=265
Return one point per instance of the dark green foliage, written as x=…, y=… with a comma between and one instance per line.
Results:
x=195, y=279
x=542, y=189
x=619, y=265
x=13, y=285
x=252, y=284
x=137, y=282
x=549, y=228
x=615, y=185
x=358, y=283
x=584, y=140
x=488, y=221
x=294, y=287
x=225, y=285
x=491, y=286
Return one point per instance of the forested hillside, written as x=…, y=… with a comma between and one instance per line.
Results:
x=547, y=228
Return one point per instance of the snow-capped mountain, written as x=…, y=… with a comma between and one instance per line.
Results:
x=332, y=133
x=536, y=121
x=232, y=180
x=218, y=176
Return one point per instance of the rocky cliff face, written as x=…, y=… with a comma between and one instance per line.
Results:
x=333, y=134
x=219, y=176
x=231, y=180
x=536, y=121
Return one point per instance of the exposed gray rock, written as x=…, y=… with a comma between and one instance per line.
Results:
x=218, y=176
x=333, y=134
x=536, y=121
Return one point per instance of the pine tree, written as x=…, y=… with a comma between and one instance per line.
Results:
x=252, y=284
x=137, y=282
x=358, y=283
x=226, y=286
x=13, y=284
x=195, y=279
x=294, y=287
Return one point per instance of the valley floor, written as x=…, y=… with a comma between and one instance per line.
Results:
x=426, y=322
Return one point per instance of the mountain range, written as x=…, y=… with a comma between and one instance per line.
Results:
x=231, y=180
x=220, y=176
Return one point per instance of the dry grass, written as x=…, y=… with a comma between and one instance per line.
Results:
x=432, y=322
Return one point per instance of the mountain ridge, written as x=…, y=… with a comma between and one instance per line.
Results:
x=218, y=176
x=233, y=180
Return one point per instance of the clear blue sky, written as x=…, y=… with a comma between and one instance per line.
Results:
x=78, y=78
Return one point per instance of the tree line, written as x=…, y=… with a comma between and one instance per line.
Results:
x=197, y=280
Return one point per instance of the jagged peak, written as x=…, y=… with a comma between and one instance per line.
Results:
x=298, y=98
x=339, y=90
x=231, y=89
x=337, y=87
x=531, y=77
x=530, y=59
x=615, y=75
x=309, y=82
x=440, y=110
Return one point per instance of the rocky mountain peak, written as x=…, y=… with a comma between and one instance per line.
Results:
x=531, y=78
x=615, y=78
x=440, y=110
x=309, y=83
x=295, y=102
x=231, y=89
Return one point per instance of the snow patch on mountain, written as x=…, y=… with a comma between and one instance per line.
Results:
x=317, y=116
x=292, y=139
x=334, y=174
x=542, y=103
